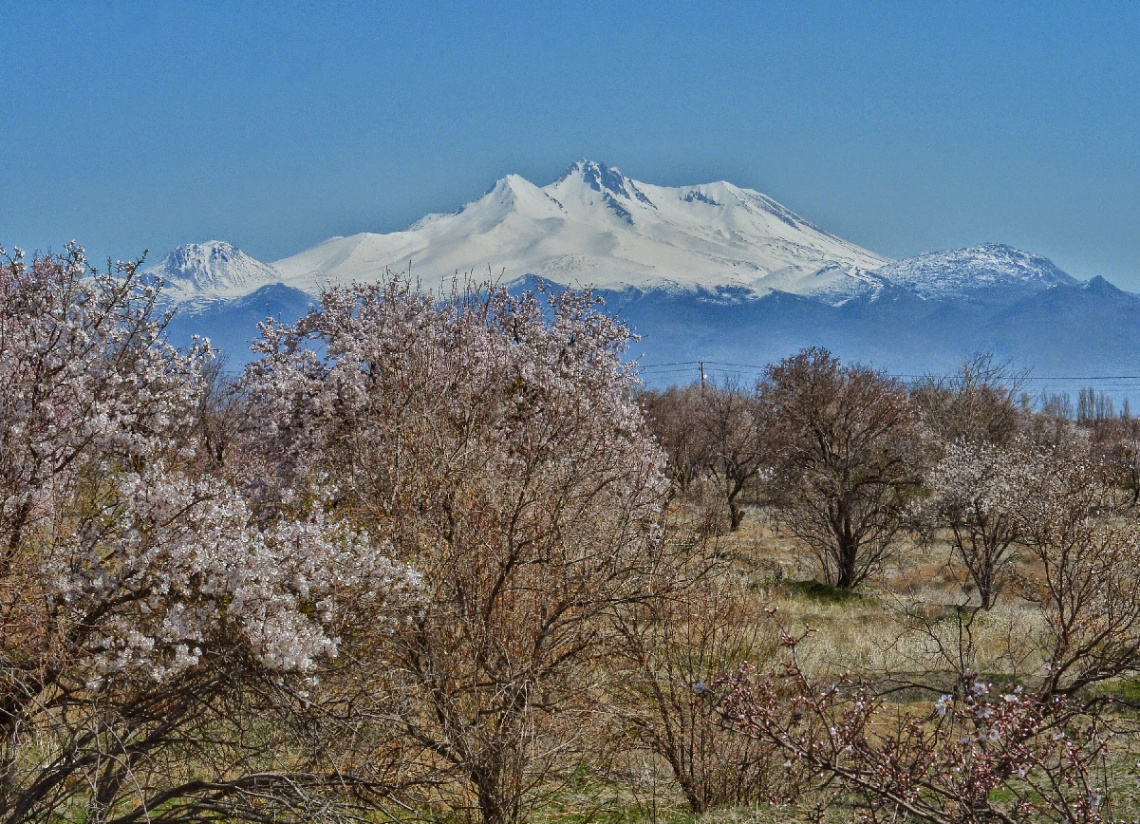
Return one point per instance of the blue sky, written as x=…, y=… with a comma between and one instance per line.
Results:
x=905, y=127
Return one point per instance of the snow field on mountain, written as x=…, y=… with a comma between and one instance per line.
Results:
x=592, y=227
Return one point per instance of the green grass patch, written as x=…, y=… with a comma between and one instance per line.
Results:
x=1125, y=690
x=823, y=593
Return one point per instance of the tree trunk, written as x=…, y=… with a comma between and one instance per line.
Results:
x=845, y=560
x=735, y=514
x=733, y=488
x=986, y=588
x=494, y=805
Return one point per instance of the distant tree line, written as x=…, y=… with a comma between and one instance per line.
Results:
x=851, y=461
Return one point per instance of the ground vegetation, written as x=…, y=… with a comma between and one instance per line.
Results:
x=437, y=557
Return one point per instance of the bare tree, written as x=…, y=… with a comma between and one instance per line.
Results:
x=677, y=647
x=672, y=416
x=1094, y=408
x=976, y=404
x=1086, y=581
x=1116, y=445
x=709, y=433
x=728, y=425
x=847, y=452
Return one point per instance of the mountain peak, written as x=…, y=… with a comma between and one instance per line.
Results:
x=958, y=272
x=596, y=226
x=1099, y=286
x=513, y=185
x=598, y=176
x=214, y=269
x=604, y=179
x=184, y=261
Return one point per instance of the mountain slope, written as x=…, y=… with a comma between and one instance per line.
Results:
x=1075, y=331
x=960, y=273
x=198, y=273
x=710, y=272
x=231, y=325
x=595, y=226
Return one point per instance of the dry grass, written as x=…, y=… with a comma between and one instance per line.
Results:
x=907, y=619
x=904, y=626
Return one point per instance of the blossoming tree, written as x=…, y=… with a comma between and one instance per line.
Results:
x=151, y=619
x=492, y=439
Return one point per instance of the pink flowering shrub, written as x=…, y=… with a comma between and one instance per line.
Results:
x=978, y=755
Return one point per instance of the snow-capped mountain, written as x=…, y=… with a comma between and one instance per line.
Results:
x=962, y=273
x=596, y=227
x=198, y=273
x=711, y=272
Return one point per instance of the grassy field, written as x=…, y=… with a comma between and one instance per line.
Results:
x=904, y=631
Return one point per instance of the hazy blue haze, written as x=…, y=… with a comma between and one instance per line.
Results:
x=904, y=127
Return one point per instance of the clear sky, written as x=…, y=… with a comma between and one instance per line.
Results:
x=902, y=126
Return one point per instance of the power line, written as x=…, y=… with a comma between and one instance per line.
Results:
x=677, y=366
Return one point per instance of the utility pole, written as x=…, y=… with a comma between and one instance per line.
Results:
x=702, y=376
